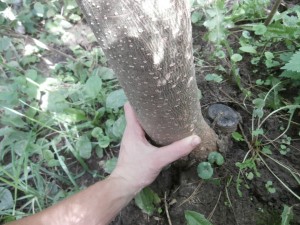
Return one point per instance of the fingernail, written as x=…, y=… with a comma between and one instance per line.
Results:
x=195, y=140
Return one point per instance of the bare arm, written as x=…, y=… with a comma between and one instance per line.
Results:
x=138, y=165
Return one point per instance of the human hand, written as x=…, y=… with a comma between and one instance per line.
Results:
x=140, y=162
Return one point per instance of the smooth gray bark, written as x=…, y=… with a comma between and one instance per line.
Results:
x=148, y=44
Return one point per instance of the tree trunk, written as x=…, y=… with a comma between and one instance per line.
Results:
x=148, y=44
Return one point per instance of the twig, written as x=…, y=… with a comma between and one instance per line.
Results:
x=166, y=208
x=272, y=13
x=192, y=195
x=214, y=209
x=15, y=35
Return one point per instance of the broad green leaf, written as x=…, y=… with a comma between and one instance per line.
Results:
x=20, y=147
x=84, y=147
x=39, y=9
x=99, y=152
x=4, y=43
x=286, y=215
x=97, y=132
x=214, y=77
x=6, y=199
x=259, y=103
x=48, y=155
x=93, y=86
x=250, y=176
x=257, y=132
x=106, y=73
x=216, y=157
x=70, y=4
x=237, y=136
x=103, y=141
x=110, y=165
x=116, y=99
x=266, y=150
x=53, y=162
x=146, y=200
x=119, y=127
x=260, y=29
x=205, y=171
x=294, y=63
x=72, y=115
x=236, y=57
x=196, y=16
x=74, y=17
x=290, y=21
x=269, y=55
x=248, y=49
x=194, y=218
x=32, y=74
x=291, y=74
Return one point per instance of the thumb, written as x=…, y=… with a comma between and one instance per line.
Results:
x=176, y=150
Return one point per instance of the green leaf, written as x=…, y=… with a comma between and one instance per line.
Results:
x=103, y=141
x=97, y=132
x=291, y=74
x=294, y=63
x=290, y=21
x=214, y=77
x=270, y=187
x=236, y=57
x=4, y=43
x=259, y=103
x=248, y=49
x=6, y=199
x=286, y=215
x=84, y=147
x=105, y=73
x=119, y=127
x=237, y=136
x=257, y=132
x=260, y=29
x=194, y=218
x=216, y=157
x=250, y=176
x=48, y=155
x=93, y=86
x=196, y=16
x=39, y=9
x=205, y=171
x=266, y=150
x=110, y=165
x=74, y=17
x=72, y=115
x=116, y=99
x=269, y=55
x=146, y=200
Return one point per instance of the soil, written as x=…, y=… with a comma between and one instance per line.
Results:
x=218, y=199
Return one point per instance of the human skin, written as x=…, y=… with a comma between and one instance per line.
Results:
x=138, y=165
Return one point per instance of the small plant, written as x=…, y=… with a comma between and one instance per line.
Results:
x=270, y=187
x=148, y=201
x=205, y=169
x=194, y=218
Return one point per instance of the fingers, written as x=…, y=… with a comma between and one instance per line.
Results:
x=133, y=124
x=176, y=150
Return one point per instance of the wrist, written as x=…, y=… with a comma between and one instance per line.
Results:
x=128, y=186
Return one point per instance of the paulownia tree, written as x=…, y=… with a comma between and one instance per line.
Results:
x=148, y=44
